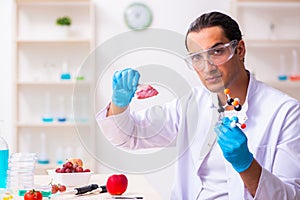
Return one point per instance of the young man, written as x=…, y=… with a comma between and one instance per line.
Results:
x=259, y=162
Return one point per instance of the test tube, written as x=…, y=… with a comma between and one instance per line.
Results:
x=282, y=68
x=61, y=115
x=59, y=155
x=83, y=109
x=295, y=75
x=47, y=117
x=42, y=156
x=65, y=75
x=272, y=35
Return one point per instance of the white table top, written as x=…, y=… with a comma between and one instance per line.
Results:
x=137, y=186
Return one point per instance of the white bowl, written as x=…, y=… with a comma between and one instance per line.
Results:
x=70, y=179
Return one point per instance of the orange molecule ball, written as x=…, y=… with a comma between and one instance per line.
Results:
x=235, y=103
x=227, y=91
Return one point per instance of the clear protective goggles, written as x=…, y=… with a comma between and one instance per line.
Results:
x=215, y=56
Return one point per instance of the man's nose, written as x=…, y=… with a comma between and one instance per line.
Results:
x=209, y=65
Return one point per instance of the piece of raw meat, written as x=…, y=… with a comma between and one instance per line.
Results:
x=145, y=91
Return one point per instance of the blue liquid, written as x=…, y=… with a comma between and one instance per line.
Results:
x=282, y=77
x=47, y=119
x=61, y=119
x=3, y=167
x=65, y=76
x=60, y=162
x=43, y=162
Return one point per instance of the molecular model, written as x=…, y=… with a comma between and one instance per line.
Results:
x=237, y=106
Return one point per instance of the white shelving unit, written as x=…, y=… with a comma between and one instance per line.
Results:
x=41, y=48
x=271, y=29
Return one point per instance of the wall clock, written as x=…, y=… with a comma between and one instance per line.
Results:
x=138, y=16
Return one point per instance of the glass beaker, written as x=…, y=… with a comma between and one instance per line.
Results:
x=21, y=168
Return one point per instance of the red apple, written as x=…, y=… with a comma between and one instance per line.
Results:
x=117, y=184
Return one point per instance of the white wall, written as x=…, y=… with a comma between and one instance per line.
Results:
x=168, y=14
x=6, y=68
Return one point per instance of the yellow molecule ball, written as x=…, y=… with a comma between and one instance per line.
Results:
x=7, y=196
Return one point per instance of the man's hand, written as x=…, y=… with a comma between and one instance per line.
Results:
x=233, y=143
x=124, y=85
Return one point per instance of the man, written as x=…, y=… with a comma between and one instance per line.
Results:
x=260, y=162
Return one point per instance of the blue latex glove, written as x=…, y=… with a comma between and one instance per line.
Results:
x=124, y=85
x=233, y=143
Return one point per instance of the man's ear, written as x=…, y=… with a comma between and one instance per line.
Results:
x=241, y=50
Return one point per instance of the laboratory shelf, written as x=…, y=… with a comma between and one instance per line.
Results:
x=54, y=2
x=52, y=124
x=271, y=38
x=52, y=41
x=272, y=43
x=269, y=4
x=287, y=83
x=43, y=52
x=67, y=83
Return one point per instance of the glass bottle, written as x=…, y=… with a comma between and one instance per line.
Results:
x=4, y=152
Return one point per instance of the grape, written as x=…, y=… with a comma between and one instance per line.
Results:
x=79, y=169
x=69, y=164
x=63, y=170
x=58, y=170
x=69, y=167
x=68, y=170
x=87, y=170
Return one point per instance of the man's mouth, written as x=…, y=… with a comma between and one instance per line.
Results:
x=213, y=79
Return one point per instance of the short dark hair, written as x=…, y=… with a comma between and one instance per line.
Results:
x=230, y=26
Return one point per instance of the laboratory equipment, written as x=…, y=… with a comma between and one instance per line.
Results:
x=4, y=153
x=21, y=168
x=295, y=75
x=47, y=116
x=282, y=76
x=42, y=156
x=61, y=115
x=65, y=75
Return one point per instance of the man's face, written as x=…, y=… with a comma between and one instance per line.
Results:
x=215, y=77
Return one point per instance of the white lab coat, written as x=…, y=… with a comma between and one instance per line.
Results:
x=273, y=131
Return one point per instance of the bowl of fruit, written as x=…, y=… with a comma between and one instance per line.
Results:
x=71, y=173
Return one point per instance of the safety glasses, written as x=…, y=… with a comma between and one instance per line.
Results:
x=215, y=56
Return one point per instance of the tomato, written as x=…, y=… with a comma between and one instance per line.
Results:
x=62, y=188
x=33, y=195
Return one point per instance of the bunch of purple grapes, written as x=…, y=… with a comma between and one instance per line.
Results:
x=69, y=167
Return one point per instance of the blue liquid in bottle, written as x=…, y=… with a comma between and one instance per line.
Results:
x=62, y=119
x=282, y=77
x=65, y=76
x=3, y=167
